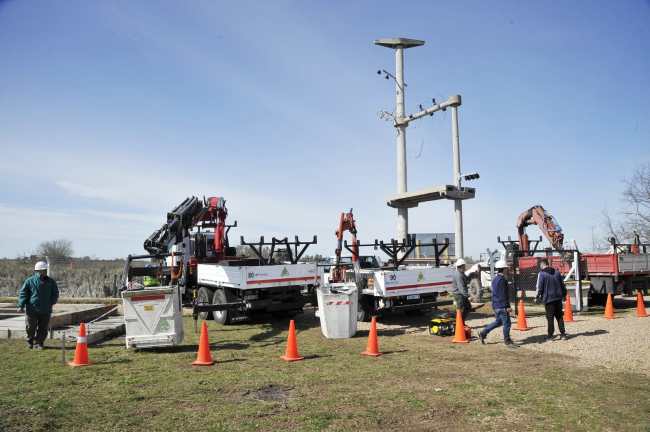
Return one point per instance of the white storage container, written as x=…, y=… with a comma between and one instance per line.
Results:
x=153, y=317
x=337, y=304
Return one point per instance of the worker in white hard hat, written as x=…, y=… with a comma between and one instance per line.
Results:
x=501, y=306
x=39, y=293
x=459, y=290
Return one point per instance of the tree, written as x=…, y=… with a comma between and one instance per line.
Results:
x=55, y=249
x=634, y=214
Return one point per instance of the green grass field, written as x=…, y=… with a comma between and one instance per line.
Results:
x=421, y=382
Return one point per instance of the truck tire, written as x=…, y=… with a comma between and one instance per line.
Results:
x=204, y=296
x=363, y=312
x=475, y=289
x=221, y=317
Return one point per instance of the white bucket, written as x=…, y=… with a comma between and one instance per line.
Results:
x=337, y=304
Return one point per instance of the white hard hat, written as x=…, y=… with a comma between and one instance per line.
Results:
x=41, y=265
x=460, y=262
x=501, y=264
x=474, y=268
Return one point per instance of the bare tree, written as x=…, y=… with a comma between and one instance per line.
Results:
x=55, y=249
x=634, y=214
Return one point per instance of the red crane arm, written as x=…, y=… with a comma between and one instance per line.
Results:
x=537, y=215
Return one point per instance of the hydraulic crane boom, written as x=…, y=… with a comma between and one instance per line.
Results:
x=191, y=213
x=546, y=222
x=346, y=224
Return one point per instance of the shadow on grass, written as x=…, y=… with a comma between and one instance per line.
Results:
x=315, y=356
x=542, y=338
x=393, y=352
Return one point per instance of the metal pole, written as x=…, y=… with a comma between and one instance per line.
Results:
x=458, y=204
x=402, y=213
x=63, y=347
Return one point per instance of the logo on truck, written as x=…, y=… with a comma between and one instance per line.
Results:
x=284, y=272
x=420, y=276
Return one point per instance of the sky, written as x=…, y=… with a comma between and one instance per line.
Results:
x=113, y=112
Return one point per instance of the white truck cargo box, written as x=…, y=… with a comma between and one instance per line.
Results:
x=153, y=317
x=252, y=277
x=412, y=282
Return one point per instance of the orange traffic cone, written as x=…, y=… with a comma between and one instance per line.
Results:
x=204, y=358
x=81, y=351
x=568, y=312
x=521, y=318
x=372, y=349
x=459, y=336
x=292, y=345
x=609, y=309
x=640, y=307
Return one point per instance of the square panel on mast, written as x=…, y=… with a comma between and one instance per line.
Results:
x=413, y=198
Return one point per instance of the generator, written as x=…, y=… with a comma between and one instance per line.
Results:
x=442, y=326
x=446, y=326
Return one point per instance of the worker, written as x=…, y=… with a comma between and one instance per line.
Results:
x=459, y=290
x=37, y=296
x=551, y=290
x=150, y=281
x=501, y=306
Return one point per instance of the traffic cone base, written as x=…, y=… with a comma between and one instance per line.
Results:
x=522, y=325
x=372, y=349
x=292, y=345
x=204, y=358
x=640, y=306
x=459, y=335
x=609, y=309
x=81, y=351
x=568, y=312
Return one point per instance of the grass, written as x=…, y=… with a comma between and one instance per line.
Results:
x=335, y=388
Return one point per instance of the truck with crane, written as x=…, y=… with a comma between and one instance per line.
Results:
x=194, y=255
x=393, y=287
x=624, y=265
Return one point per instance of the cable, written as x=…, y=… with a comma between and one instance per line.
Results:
x=432, y=128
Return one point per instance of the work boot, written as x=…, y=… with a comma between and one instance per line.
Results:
x=510, y=344
x=549, y=338
x=481, y=337
x=38, y=347
x=30, y=345
x=563, y=336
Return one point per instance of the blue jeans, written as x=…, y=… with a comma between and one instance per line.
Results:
x=502, y=318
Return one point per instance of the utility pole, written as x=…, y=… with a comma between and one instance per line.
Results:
x=458, y=203
x=593, y=248
x=399, y=45
x=404, y=200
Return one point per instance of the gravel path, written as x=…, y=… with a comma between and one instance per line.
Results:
x=621, y=344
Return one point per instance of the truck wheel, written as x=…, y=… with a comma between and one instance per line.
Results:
x=204, y=296
x=363, y=312
x=221, y=317
x=599, y=299
x=475, y=289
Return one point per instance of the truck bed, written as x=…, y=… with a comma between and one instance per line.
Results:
x=255, y=277
x=415, y=281
x=614, y=264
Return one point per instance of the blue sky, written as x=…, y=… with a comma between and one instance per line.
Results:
x=111, y=113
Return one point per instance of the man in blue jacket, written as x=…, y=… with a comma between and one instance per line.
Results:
x=501, y=306
x=38, y=294
x=551, y=290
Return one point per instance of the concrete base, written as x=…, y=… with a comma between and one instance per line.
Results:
x=65, y=319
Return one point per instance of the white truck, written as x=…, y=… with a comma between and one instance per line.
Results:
x=413, y=290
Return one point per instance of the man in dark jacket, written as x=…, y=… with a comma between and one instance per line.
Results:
x=38, y=294
x=501, y=306
x=551, y=290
